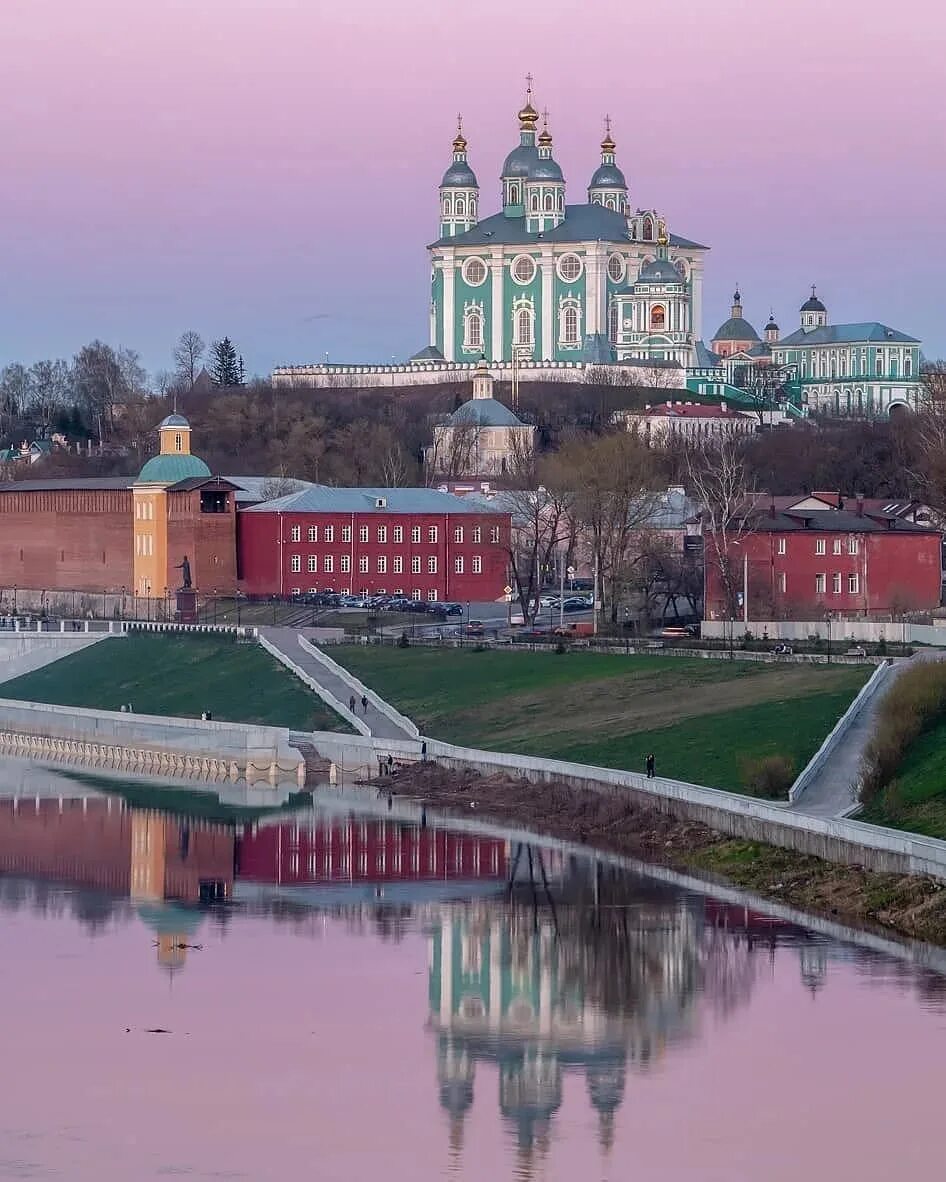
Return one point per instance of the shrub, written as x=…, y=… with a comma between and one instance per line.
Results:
x=913, y=704
x=769, y=776
x=561, y=646
x=402, y=641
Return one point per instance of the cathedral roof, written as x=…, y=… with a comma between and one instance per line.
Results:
x=848, y=334
x=484, y=412
x=459, y=176
x=428, y=353
x=813, y=304
x=589, y=222
x=521, y=161
x=545, y=169
x=660, y=271
x=608, y=176
x=736, y=328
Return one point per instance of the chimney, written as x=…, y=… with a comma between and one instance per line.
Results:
x=860, y=504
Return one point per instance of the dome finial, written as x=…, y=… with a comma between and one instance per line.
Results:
x=607, y=144
x=528, y=116
x=459, y=143
x=545, y=136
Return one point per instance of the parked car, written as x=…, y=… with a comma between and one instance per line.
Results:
x=576, y=604
x=549, y=600
x=856, y=650
x=679, y=632
x=475, y=627
x=451, y=609
x=783, y=650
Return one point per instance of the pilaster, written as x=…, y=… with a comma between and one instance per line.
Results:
x=696, y=299
x=547, y=267
x=449, y=313
x=496, y=282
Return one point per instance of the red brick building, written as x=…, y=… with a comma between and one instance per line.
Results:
x=806, y=563
x=418, y=542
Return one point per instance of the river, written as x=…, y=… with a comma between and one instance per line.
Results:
x=199, y=989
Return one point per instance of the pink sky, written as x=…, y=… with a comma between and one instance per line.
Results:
x=308, y=1057
x=251, y=166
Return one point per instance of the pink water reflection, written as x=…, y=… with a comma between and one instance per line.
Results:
x=307, y=1052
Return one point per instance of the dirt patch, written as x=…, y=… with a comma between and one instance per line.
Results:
x=913, y=906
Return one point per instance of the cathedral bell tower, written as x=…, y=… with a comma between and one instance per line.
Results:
x=459, y=191
x=520, y=160
x=544, y=187
x=608, y=186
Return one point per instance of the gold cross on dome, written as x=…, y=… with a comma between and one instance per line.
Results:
x=528, y=86
x=607, y=125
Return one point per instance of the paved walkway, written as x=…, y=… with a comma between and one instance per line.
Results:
x=381, y=727
x=834, y=790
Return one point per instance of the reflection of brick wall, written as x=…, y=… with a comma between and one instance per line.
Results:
x=366, y=851
x=67, y=539
x=81, y=842
x=209, y=858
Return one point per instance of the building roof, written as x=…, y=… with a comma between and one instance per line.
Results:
x=65, y=483
x=171, y=468
x=459, y=176
x=834, y=521
x=705, y=357
x=520, y=160
x=253, y=489
x=607, y=176
x=736, y=328
x=589, y=222
x=659, y=271
x=869, y=331
x=545, y=169
x=690, y=410
x=173, y=420
x=428, y=353
x=321, y=498
x=484, y=412
x=813, y=304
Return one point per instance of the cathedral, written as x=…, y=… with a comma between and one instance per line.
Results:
x=542, y=280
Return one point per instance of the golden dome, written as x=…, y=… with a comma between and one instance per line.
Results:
x=528, y=116
x=459, y=144
x=545, y=136
x=607, y=144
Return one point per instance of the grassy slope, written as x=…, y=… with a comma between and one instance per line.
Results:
x=179, y=675
x=916, y=800
x=700, y=718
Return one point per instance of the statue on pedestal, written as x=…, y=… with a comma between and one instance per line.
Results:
x=185, y=569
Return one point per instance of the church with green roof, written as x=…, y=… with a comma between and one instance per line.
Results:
x=542, y=280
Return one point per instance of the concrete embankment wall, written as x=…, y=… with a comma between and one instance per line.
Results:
x=842, y=632
x=843, y=841
x=112, y=739
x=22, y=652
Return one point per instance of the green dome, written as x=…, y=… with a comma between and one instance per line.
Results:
x=169, y=469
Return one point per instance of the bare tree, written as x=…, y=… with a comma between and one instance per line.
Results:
x=614, y=499
x=454, y=453
x=540, y=531
x=49, y=390
x=720, y=482
x=188, y=352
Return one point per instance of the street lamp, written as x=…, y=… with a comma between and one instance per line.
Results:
x=827, y=616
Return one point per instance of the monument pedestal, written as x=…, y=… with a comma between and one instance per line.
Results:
x=186, y=609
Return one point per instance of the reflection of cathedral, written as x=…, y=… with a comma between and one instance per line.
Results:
x=507, y=988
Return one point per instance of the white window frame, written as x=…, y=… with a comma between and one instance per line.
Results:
x=854, y=583
x=458, y=533
x=328, y=564
x=467, y=265
x=415, y=534
x=780, y=546
x=346, y=564
x=362, y=533
x=477, y=564
x=821, y=546
x=415, y=564
x=398, y=568
x=295, y=533
x=458, y=565
x=560, y=267
x=477, y=535
x=295, y=563
x=432, y=535
x=494, y=535
x=821, y=584
x=382, y=535
x=313, y=564
x=836, y=583
x=363, y=564
x=836, y=547
x=382, y=564
x=398, y=534
x=852, y=545
x=432, y=564
x=313, y=533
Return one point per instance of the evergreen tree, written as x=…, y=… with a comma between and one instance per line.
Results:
x=225, y=369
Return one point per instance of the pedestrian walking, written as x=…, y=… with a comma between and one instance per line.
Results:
x=423, y=749
x=364, y=704
x=651, y=765
x=351, y=704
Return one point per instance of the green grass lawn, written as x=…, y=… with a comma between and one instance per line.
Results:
x=916, y=799
x=700, y=718
x=182, y=675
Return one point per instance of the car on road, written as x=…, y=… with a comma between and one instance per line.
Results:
x=549, y=600
x=576, y=604
x=475, y=628
x=679, y=632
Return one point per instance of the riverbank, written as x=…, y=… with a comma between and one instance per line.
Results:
x=911, y=905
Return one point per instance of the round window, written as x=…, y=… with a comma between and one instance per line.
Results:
x=474, y=272
x=523, y=269
x=616, y=268
x=569, y=267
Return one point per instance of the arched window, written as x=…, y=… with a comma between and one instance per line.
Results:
x=473, y=329
x=569, y=328
x=610, y=203
x=561, y=201
x=513, y=194
x=658, y=316
x=549, y=203
x=535, y=203
x=524, y=327
x=894, y=367
x=460, y=205
x=613, y=322
x=908, y=366
x=178, y=442
x=447, y=206
x=647, y=232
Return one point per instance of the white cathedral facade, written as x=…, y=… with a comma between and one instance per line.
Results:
x=542, y=280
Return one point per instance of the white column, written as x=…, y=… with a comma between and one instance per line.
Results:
x=446, y=971
x=547, y=264
x=495, y=976
x=696, y=298
x=496, y=296
x=449, y=279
